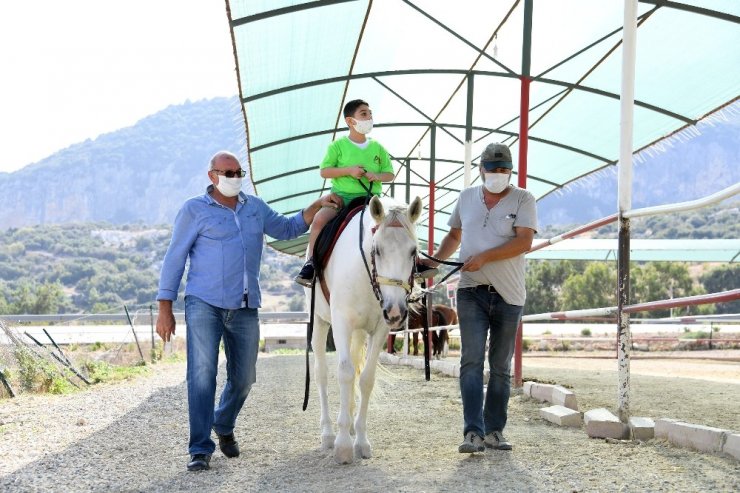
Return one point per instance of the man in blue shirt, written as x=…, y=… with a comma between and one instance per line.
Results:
x=222, y=232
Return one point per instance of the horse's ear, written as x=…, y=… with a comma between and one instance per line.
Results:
x=376, y=209
x=415, y=210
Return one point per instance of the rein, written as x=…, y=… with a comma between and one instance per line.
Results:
x=375, y=280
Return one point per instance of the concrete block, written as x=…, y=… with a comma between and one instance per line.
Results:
x=732, y=446
x=642, y=428
x=561, y=415
x=697, y=437
x=448, y=368
x=389, y=359
x=417, y=363
x=542, y=392
x=564, y=397
x=527, y=389
x=663, y=426
x=600, y=423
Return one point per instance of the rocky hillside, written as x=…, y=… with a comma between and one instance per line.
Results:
x=141, y=173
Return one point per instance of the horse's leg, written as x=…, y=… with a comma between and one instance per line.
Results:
x=435, y=344
x=357, y=351
x=343, y=452
x=367, y=381
x=318, y=342
x=416, y=344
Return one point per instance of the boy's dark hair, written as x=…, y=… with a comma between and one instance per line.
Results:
x=351, y=107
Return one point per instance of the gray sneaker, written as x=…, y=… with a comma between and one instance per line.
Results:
x=472, y=443
x=496, y=440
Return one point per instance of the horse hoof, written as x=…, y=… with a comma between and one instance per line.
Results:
x=327, y=442
x=365, y=450
x=345, y=456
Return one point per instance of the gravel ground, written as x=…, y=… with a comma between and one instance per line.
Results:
x=133, y=437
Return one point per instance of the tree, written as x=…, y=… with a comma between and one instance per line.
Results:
x=660, y=281
x=723, y=278
x=49, y=297
x=544, y=282
x=596, y=287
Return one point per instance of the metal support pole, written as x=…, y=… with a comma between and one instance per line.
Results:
x=430, y=238
x=151, y=322
x=624, y=187
x=468, y=134
x=408, y=181
x=389, y=340
x=133, y=330
x=523, y=146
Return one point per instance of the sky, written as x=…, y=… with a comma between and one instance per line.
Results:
x=76, y=69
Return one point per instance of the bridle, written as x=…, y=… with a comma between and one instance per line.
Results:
x=375, y=280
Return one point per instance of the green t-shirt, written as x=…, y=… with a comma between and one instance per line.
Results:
x=343, y=153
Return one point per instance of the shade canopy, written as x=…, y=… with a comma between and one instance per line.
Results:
x=437, y=72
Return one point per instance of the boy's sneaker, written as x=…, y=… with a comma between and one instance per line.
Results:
x=305, y=276
x=423, y=271
x=496, y=440
x=472, y=443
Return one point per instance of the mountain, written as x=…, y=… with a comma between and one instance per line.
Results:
x=143, y=173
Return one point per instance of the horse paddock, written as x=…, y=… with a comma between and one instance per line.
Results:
x=133, y=436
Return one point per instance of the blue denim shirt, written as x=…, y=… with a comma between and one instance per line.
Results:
x=225, y=249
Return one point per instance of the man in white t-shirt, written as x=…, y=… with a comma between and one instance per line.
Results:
x=493, y=224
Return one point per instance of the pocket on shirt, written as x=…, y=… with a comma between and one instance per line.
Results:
x=221, y=230
x=252, y=224
x=504, y=226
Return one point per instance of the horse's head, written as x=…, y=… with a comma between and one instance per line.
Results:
x=393, y=255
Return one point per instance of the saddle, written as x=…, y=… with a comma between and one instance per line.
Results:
x=330, y=233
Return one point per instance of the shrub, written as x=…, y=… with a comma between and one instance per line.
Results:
x=39, y=375
x=97, y=371
x=586, y=332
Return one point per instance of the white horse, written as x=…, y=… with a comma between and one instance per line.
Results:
x=361, y=309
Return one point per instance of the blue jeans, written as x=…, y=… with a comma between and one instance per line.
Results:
x=481, y=312
x=206, y=325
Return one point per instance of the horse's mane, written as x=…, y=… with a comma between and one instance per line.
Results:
x=396, y=213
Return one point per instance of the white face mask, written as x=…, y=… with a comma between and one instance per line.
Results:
x=496, y=182
x=363, y=126
x=229, y=187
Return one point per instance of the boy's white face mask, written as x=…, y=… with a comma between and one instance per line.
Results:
x=229, y=187
x=496, y=182
x=363, y=126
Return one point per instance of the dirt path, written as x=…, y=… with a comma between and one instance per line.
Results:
x=133, y=437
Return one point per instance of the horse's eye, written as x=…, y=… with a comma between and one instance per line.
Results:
x=377, y=253
x=413, y=253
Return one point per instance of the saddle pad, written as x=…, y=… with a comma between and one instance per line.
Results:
x=328, y=236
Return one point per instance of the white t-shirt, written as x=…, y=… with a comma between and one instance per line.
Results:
x=483, y=229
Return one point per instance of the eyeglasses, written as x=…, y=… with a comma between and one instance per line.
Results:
x=230, y=173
